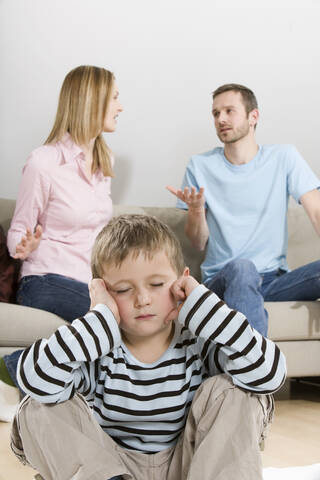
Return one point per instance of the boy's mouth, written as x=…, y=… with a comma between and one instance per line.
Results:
x=145, y=316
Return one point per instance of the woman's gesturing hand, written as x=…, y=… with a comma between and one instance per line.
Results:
x=28, y=243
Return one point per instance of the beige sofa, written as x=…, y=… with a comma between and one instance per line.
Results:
x=295, y=326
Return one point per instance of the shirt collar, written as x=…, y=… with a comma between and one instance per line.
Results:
x=69, y=148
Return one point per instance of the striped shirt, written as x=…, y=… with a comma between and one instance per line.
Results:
x=144, y=406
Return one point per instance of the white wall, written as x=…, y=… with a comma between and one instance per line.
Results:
x=168, y=56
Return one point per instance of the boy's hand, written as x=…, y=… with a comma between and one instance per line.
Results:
x=183, y=286
x=99, y=294
x=180, y=289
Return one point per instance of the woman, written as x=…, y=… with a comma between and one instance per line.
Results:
x=64, y=200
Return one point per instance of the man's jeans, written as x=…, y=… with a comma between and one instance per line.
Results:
x=67, y=298
x=244, y=289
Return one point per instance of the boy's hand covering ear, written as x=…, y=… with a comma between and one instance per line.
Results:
x=180, y=290
x=99, y=294
x=183, y=286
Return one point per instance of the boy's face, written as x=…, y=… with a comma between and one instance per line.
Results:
x=141, y=290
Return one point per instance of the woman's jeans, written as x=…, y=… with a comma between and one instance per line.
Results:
x=244, y=289
x=67, y=298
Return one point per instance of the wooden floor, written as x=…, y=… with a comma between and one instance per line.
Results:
x=293, y=438
x=294, y=435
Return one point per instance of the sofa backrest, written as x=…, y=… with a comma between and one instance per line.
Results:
x=6, y=212
x=175, y=219
x=304, y=244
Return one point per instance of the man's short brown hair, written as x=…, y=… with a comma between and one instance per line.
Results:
x=134, y=234
x=248, y=97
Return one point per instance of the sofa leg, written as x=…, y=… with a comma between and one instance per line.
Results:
x=284, y=392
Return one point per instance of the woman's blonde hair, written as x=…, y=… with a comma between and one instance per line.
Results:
x=83, y=102
x=134, y=234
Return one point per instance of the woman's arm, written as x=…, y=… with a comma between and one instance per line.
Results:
x=31, y=202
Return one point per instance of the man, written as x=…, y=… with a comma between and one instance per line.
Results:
x=237, y=199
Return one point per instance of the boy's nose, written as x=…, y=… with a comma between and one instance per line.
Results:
x=142, y=299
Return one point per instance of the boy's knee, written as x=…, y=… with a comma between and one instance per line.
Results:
x=210, y=390
x=217, y=389
x=219, y=397
x=27, y=408
x=33, y=415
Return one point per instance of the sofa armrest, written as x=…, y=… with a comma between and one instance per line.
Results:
x=20, y=326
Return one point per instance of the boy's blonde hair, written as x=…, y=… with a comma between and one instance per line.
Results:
x=83, y=102
x=134, y=234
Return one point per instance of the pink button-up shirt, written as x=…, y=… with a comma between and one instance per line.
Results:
x=56, y=193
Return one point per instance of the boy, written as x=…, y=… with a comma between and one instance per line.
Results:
x=139, y=369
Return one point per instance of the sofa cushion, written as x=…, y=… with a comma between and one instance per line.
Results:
x=303, y=358
x=294, y=320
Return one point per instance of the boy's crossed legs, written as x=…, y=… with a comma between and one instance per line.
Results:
x=224, y=429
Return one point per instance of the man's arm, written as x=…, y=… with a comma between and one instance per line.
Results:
x=196, y=227
x=311, y=203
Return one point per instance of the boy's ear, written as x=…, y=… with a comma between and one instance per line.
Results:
x=186, y=272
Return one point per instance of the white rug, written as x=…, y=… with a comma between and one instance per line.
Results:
x=309, y=472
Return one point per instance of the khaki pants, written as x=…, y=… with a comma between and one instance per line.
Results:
x=224, y=429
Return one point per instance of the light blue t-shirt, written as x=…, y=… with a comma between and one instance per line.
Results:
x=247, y=204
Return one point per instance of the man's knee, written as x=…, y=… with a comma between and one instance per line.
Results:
x=242, y=270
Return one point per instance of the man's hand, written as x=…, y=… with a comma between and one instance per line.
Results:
x=99, y=294
x=195, y=200
x=28, y=243
x=196, y=227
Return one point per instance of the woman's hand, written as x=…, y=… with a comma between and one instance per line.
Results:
x=99, y=294
x=28, y=243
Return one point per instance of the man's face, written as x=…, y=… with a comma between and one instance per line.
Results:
x=230, y=117
x=141, y=289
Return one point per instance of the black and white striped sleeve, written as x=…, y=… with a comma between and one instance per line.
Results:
x=52, y=370
x=231, y=345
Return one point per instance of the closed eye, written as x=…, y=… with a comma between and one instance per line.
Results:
x=157, y=284
x=122, y=291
